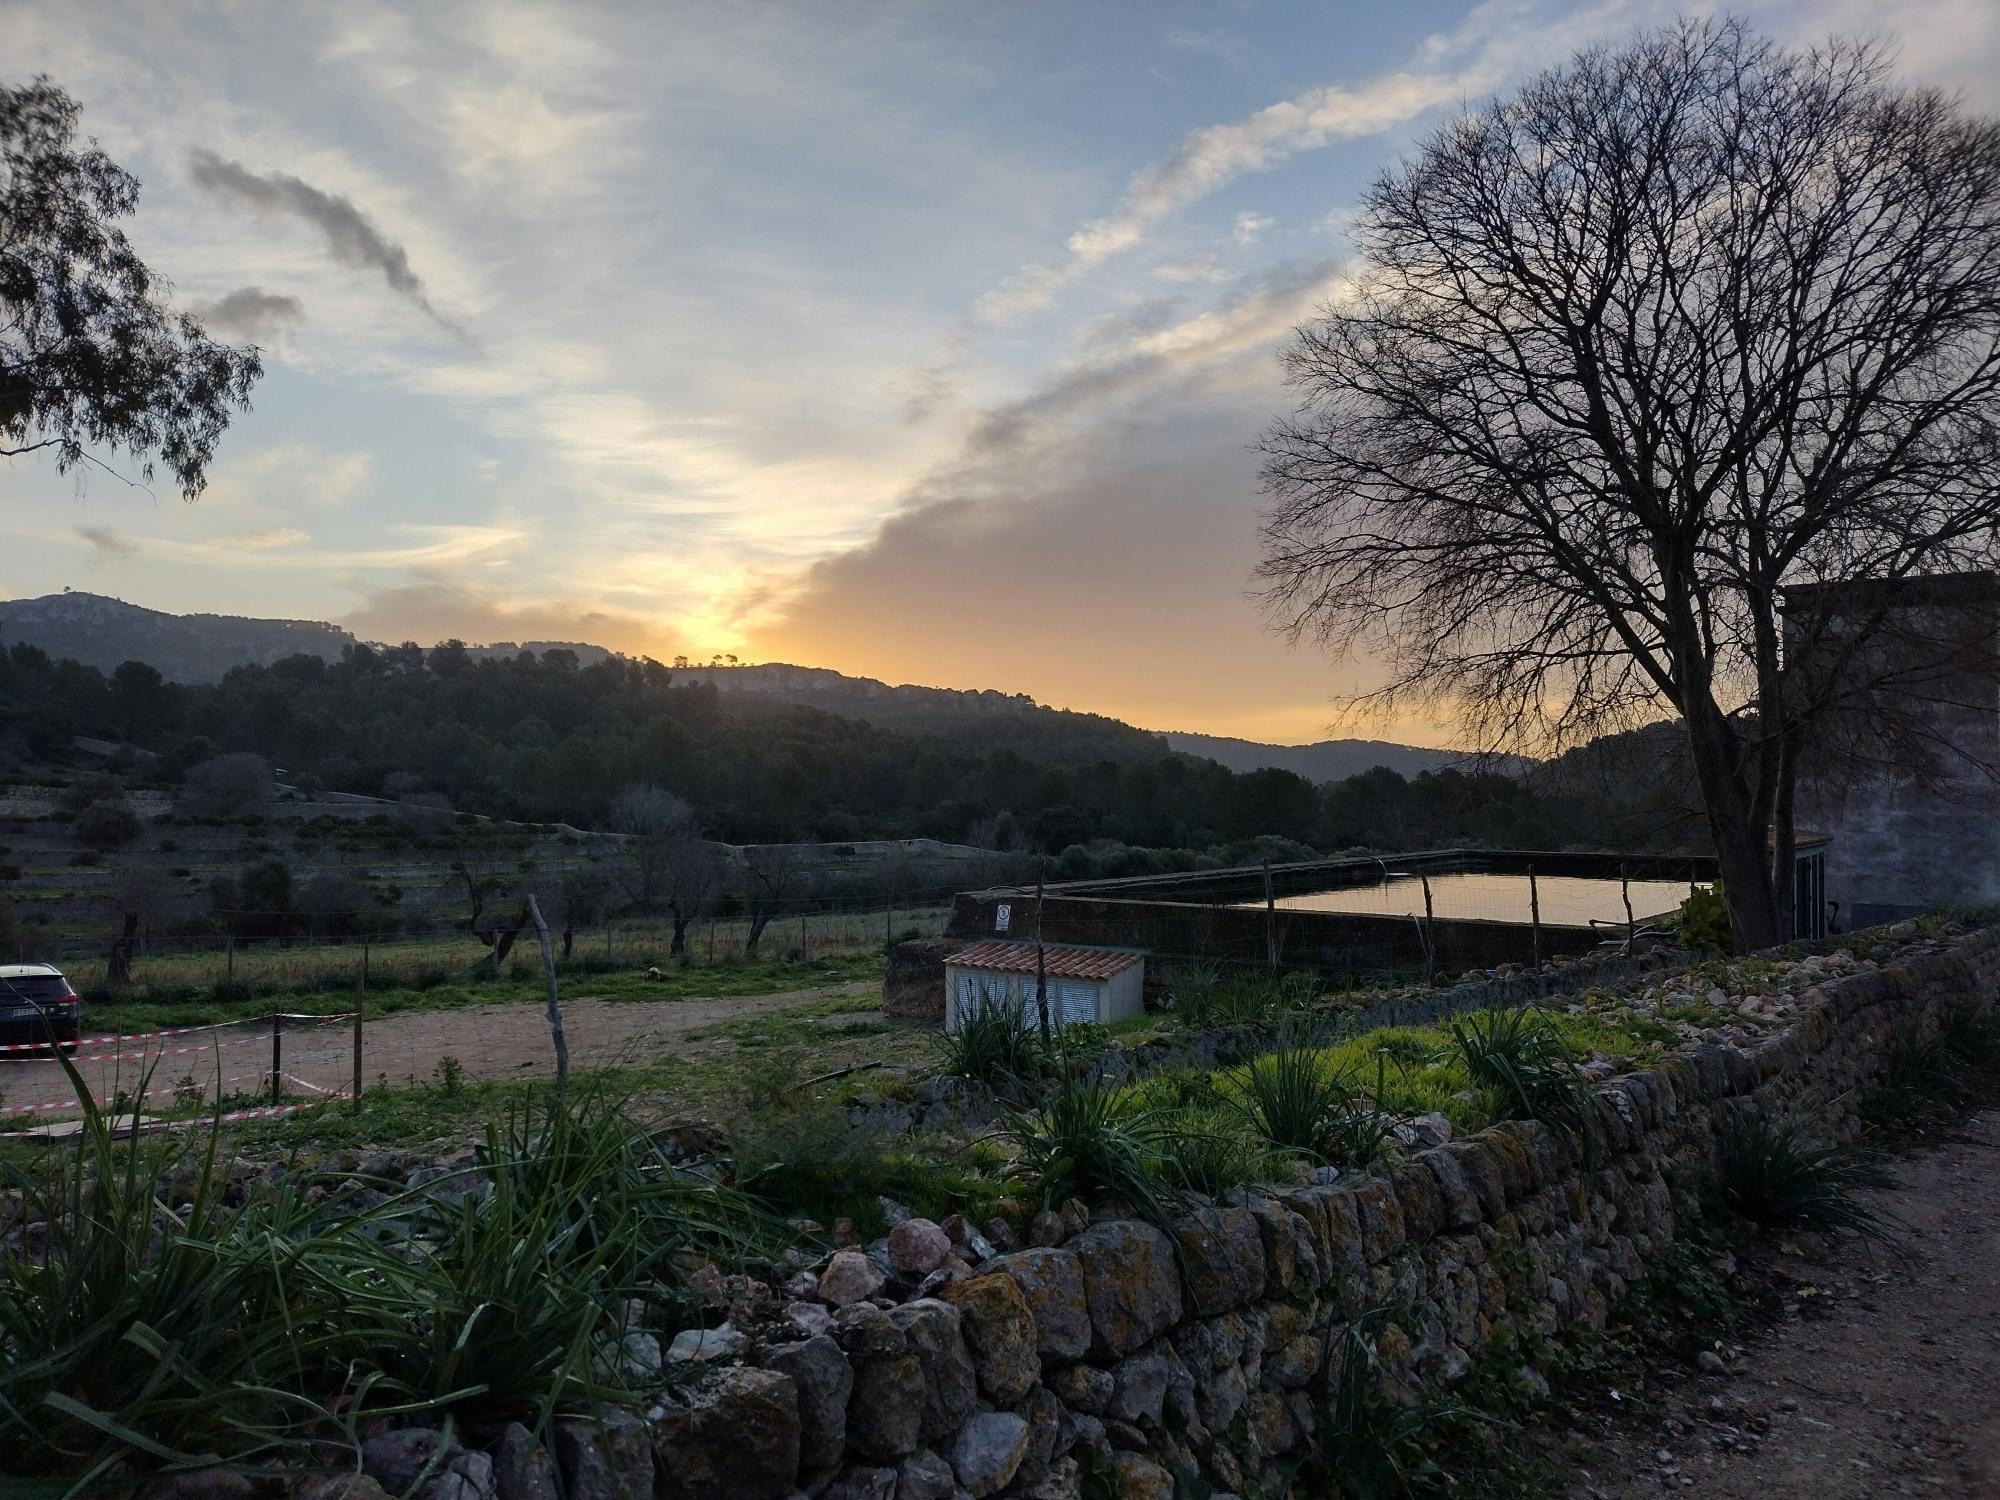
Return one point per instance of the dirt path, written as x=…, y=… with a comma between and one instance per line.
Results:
x=1882, y=1379
x=510, y=1040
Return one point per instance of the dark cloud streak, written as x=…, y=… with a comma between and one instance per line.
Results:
x=251, y=313
x=350, y=235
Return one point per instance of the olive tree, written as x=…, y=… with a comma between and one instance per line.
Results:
x=1628, y=358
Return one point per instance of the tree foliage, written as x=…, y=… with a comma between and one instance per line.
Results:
x=1632, y=355
x=91, y=355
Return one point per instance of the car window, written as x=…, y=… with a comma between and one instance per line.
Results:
x=36, y=987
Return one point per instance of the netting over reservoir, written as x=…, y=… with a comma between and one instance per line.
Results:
x=1566, y=900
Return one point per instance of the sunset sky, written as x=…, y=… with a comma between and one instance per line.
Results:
x=925, y=342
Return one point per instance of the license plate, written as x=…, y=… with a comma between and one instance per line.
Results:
x=22, y=1013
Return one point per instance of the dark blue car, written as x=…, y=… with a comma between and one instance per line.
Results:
x=38, y=1005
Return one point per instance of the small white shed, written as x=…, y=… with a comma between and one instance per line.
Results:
x=1084, y=984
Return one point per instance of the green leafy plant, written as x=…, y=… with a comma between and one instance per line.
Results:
x=1527, y=1071
x=1211, y=1154
x=1771, y=1176
x=450, y=1075
x=1089, y=1142
x=994, y=1044
x=1702, y=923
x=1296, y=1102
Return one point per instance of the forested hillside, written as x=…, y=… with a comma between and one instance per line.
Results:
x=544, y=738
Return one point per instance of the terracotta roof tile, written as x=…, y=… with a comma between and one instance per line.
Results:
x=1065, y=963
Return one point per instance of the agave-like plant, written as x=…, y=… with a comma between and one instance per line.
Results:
x=1776, y=1179
x=1296, y=1103
x=1526, y=1069
x=1088, y=1141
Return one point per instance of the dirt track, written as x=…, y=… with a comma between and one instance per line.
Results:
x=510, y=1040
x=1882, y=1380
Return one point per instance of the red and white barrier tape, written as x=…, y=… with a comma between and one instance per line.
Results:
x=95, y=1041
x=146, y=1036
x=62, y=1106
x=268, y=1112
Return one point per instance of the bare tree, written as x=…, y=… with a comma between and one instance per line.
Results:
x=668, y=864
x=1629, y=357
x=773, y=876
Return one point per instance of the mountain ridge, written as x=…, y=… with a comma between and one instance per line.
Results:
x=200, y=648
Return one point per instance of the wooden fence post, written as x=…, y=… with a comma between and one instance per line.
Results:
x=555, y=999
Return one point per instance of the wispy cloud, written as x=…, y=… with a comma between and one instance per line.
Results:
x=1250, y=228
x=1203, y=268
x=1209, y=159
x=351, y=235
x=105, y=544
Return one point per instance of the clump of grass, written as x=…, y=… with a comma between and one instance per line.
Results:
x=1204, y=995
x=812, y=1162
x=994, y=1045
x=161, y=1313
x=1210, y=1153
x=1926, y=1083
x=1527, y=1070
x=1088, y=1141
x=1293, y=1100
x=1772, y=1177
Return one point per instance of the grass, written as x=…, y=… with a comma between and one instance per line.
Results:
x=1527, y=1067
x=1927, y=1083
x=1295, y=1102
x=1089, y=1141
x=159, y=1005
x=993, y=1045
x=1772, y=1177
x=144, y=1328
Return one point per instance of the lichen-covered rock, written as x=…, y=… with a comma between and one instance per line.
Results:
x=1382, y=1232
x=850, y=1277
x=824, y=1382
x=1130, y=1285
x=989, y=1451
x=917, y=1247
x=1291, y=1251
x=699, y=1447
x=885, y=1414
x=1139, y=1478
x=1223, y=1255
x=1000, y=1330
x=1052, y=1282
x=931, y=1330
x=1083, y=1388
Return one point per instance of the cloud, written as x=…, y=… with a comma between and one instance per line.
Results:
x=1115, y=505
x=1209, y=159
x=435, y=609
x=350, y=235
x=1250, y=228
x=1248, y=324
x=252, y=314
x=105, y=544
x=1203, y=268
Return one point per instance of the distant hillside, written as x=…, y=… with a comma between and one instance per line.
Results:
x=1327, y=760
x=996, y=720
x=103, y=632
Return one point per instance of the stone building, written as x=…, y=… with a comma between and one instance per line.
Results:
x=1903, y=781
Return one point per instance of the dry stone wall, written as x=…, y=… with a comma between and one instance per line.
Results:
x=1115, y=1352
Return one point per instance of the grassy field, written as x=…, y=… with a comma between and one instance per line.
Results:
x=521, y=982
